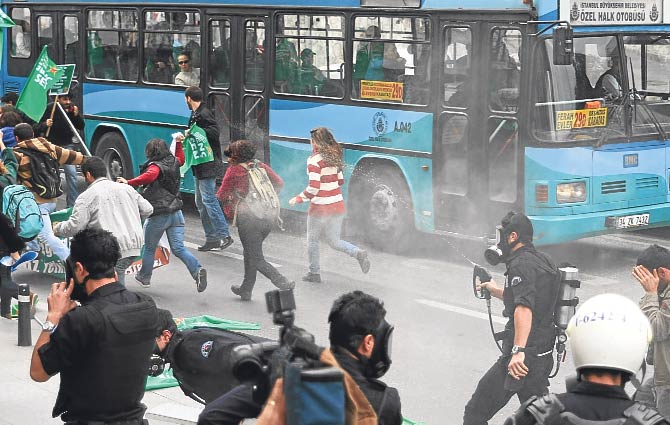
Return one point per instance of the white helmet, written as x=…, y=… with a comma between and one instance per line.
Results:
x=609, y=331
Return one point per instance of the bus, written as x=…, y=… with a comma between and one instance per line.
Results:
x=450, y=113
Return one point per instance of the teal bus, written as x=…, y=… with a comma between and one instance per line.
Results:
x=450, y=112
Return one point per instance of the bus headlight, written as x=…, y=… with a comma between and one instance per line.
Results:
x=571, y=192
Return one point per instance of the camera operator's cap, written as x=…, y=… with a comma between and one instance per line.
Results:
x=609, y=331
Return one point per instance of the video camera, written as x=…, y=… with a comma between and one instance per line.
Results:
x=262, y=363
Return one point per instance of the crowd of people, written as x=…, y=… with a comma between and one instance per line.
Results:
x=94, y=320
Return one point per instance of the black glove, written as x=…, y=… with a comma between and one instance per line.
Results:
x=301, y=342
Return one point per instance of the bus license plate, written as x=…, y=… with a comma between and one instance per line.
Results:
x=632, y=221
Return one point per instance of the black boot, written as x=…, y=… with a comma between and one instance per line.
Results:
x=243, y=291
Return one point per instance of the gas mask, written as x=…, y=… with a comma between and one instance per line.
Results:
x=380, y=361
x=495, y=254
x=79, y=292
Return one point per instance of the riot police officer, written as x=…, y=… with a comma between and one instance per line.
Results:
x=529, y=295
x=609, y=336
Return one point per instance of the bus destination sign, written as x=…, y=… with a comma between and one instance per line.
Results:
x=615, y=12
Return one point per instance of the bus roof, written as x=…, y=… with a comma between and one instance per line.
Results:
x=409, y=4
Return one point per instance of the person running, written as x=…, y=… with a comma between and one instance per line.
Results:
x=160, y=178
x=326, y=209
x=252, y=230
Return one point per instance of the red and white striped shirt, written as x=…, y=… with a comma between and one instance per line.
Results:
x=324, y=191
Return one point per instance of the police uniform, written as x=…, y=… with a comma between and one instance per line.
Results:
x=587, y=401
x=532, y=280
x=102, y=351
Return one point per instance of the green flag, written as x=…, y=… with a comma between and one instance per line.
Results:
x=196, y=149
x=5, y=22
x=33, y=100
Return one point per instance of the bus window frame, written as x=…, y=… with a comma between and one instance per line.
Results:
x=143, y=31
x=343, y=39
x=87, y=28
x=441, y=61
x=430, y=40
x=489, y=39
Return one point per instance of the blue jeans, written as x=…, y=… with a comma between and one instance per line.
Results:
x=121, y=267
x=330, y=227
x=173, y=225
x=213, y=221
x=70, y=181
x=47, y=236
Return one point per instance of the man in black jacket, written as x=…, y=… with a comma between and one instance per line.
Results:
x=217, y=234
x=61, y=134
x=101, y=349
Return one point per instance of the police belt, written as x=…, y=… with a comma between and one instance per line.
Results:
x=499, y=336
x=124, y=422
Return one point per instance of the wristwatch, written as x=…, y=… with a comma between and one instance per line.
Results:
x=48, y=326
x=518, y=349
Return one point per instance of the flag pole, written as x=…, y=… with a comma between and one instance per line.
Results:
x=53, y=111
x=74, y=130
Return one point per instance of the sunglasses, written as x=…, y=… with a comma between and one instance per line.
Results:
x=183, y=62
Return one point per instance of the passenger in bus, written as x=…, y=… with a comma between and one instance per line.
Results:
x=219, y=62
x=253, y=57
x=609, y=84
x=369, y=58
x=21, y=46
x=583, y=88
x=188, y=76
x=286, y=65
x=310, y=78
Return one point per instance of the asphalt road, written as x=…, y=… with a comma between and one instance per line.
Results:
x=442, y=343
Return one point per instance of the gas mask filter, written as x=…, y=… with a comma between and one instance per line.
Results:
x=495, y=254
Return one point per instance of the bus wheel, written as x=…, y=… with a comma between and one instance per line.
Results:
x=386, y=209
x=114, y=152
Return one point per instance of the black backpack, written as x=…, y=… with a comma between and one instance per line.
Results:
x=200, y=361
x=44, y=170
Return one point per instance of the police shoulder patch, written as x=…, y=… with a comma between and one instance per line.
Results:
x=515, y=280
x=206, y=348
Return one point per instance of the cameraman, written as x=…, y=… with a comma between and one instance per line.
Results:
x=360, y=342
x=101, y=349
x=529, y=295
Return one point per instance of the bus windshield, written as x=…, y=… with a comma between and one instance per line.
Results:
x=604, y=95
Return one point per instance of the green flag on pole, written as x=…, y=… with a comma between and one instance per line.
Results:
x=196, y=149
x=5, y=22
x=33, y=99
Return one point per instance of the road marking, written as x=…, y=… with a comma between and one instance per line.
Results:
x=461, y=310
x=225, y=254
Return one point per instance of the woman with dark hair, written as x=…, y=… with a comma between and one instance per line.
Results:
x=160, y=179
x=252, y=229
x=326, y=208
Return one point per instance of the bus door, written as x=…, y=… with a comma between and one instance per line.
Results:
x=60, y=31
x=475, y=162
x=237, y=73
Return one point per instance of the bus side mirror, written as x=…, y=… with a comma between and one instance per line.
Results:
x=563, y=46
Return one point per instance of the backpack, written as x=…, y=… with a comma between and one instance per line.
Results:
x=262, y=199
x=19, y=205
x=201, y=361
x=44, y=170
x=548, y=410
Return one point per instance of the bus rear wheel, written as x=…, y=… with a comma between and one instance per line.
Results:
x=384, y=209
x=114, y=153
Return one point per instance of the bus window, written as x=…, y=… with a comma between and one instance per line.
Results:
x=502, y=158
x=71, y=45
x=254, y=121
x=565, y=96
x=647, y=66
x=457, y=62
x=309, y=55
x=505, y=69
x=391, y=59
x=20, y=33
x=455, y=128
x=219, y=57
x=171, y=38
x=220, y=105
x=45, y=37
x=112, y=45
x=254, y=49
